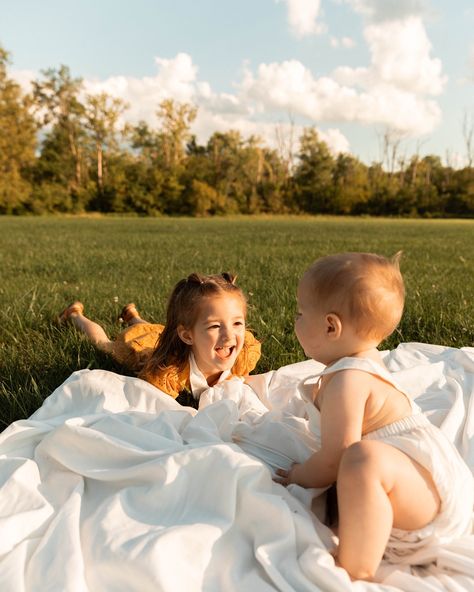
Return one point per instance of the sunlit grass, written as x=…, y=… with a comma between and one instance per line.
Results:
x=106, y=262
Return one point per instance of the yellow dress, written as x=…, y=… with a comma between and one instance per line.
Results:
x=133, y=347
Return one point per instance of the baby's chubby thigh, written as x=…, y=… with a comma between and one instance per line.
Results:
x=408, y=485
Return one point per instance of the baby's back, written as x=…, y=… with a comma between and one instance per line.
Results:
x=385, y=405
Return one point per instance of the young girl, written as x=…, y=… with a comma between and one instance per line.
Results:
x=203, y=342
x=401, y=485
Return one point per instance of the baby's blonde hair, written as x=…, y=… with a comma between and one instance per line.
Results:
x=364, y=289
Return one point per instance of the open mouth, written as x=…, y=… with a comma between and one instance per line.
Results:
x=224, y=353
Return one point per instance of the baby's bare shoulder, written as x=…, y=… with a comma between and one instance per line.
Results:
x=349, y=383
x=349, y=377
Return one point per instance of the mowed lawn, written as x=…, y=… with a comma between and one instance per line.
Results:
x=46, y=263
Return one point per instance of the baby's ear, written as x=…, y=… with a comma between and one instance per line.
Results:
x=333, y=325
x=184, y=335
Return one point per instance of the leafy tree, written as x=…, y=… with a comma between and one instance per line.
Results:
x=313, y=175
x=246, y=175
x=459, y=195
x=255, y=170
x=351, y=185
x=60, y=110
x=163, y=170
x=102, y=113
x=383, y=188
x=17, y=141
x=227, y=160
x=421, y=193
x=175, y=122
x=274, y=183
x=144, y=142
x=205, y=200
x=48, y=197
x=237, y=168
x=165, y=149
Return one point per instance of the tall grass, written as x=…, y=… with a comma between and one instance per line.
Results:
x=106, y=262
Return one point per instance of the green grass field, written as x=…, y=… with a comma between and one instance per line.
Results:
x=106, y=262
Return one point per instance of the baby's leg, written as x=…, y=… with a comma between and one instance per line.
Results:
x=379, y=487
x=74, y=313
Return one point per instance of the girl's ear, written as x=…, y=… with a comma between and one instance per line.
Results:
x=184, y=335
x=333, y=325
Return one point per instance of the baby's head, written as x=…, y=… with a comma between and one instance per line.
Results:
x=206, y=315
x=363, y=290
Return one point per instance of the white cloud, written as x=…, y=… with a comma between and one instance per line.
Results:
x=346, y=42
x=23, y=78
x=283, y=137
x=303, y=17
x=176, y=78
x=400, y=53
x=335, y=139
x=471, y=63
x=395, y=89
x=387, y=10
x=290, y=87
x=400, y=56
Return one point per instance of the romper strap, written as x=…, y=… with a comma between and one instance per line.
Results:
x=370, y=366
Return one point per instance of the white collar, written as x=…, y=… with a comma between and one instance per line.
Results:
x=197, y=380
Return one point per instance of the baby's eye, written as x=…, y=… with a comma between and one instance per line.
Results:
x=238, y=323
x=213, y=327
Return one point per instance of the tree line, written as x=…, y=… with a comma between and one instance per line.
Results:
x=63, y=150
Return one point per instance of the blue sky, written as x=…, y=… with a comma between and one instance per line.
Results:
x=354, y=69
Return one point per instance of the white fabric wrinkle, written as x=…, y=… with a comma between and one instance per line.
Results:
x=112, y=485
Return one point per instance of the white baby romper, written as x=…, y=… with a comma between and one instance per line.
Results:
x=417, y=437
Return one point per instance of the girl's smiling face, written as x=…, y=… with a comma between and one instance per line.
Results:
x=217, y=337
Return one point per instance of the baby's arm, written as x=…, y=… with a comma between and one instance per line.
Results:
x=342, y=413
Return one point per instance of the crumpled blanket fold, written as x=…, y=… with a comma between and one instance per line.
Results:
x=113, y=486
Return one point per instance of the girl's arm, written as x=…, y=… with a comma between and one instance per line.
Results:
x=342, y=414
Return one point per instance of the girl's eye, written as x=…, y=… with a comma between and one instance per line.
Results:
x=238, y=323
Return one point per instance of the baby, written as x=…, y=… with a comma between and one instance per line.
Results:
x=400, y=483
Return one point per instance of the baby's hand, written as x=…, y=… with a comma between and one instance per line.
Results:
x=285, y=477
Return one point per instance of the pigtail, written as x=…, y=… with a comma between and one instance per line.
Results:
x=194, y=278
x=229, y=277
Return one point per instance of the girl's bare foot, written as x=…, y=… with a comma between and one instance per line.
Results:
x=76, y=308
x=129, y=313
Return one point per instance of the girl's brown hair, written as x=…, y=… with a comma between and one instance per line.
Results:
x=183, y=309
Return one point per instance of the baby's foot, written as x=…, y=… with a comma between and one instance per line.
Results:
x=76, y=308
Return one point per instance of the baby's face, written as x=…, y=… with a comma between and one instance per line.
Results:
x=310, y=323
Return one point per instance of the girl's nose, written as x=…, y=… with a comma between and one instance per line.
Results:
x=226, y=333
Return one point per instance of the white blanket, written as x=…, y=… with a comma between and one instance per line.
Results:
x=112, y=486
